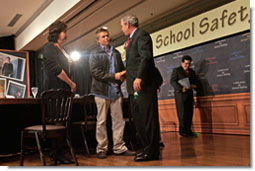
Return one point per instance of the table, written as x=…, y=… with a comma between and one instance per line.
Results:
x=6, y=101
x=17, y=113
x=15, y=101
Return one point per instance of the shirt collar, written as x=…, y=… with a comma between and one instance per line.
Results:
x=110, y=47
x=131, y=35
x=184, y=69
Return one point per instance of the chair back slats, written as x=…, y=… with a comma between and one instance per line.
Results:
x=65, y=108
x=51, y=113
x=57, y=106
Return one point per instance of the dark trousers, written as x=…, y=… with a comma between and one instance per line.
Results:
x=184, y=105
x=145, y=113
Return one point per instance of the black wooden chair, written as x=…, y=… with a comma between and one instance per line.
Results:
x=56, y=107
x=89, y=121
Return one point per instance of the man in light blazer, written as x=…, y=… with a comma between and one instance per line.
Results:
x=142, y=87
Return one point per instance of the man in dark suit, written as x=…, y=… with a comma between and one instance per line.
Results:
x=142, y=88
x=184, y=95
x=8, y=68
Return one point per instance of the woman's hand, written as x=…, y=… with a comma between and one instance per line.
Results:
x=73, y=87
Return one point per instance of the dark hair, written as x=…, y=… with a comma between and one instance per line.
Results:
x=186, y=57
x=102, y=29
x=8, y=58
x=55, y=29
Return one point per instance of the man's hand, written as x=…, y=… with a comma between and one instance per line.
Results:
x=193, y=86
x=184, y=89
x=158, y=90
x=123, y=76
x=137, y=84
x=120, y=76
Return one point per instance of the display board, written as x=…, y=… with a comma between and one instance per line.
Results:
x=222, y=66
x=14, y=74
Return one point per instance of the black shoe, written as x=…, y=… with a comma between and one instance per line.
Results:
x=64, y=160
x=161, y=144
x=139, y=154
x=102, y=155
x=190, y=134
x=184, y=134
x=145, y=157
x=127, y=153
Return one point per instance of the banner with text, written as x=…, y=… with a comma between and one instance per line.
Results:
x=223, y=21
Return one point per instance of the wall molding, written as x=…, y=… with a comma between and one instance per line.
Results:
x=226, y=114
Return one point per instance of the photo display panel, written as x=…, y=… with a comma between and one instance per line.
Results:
x=14, y=74
x=222, y=66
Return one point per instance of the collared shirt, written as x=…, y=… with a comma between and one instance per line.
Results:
x=131, y=35
x=113, y=89
x=185, y=70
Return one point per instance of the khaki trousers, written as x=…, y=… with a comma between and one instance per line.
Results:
x=118, y=125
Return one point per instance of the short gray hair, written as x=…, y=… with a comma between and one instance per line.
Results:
x=132, y=19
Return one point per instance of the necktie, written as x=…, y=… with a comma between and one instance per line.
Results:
x=187, y=73
x=128, y=42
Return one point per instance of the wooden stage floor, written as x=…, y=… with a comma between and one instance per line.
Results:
x=203, y=150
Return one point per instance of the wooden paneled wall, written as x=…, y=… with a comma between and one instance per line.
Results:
x=227, y=114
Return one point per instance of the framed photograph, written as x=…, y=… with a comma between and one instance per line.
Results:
x=12, y=66
x=15, y=90
x=2, y=87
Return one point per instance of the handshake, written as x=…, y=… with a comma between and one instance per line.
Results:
x=120, y=76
